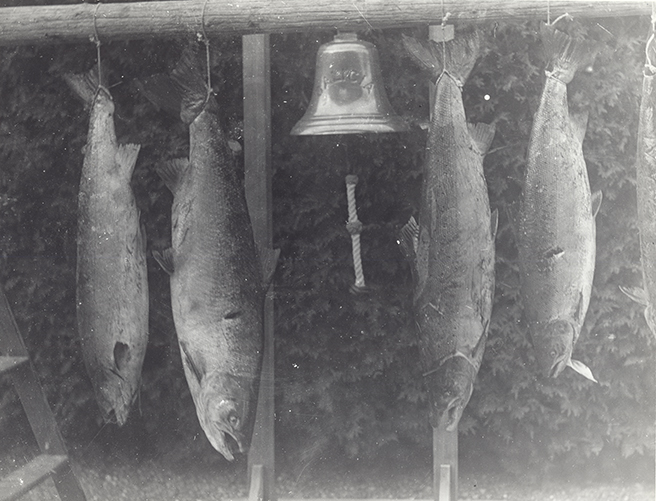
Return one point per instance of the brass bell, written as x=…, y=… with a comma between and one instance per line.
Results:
x=348, y=95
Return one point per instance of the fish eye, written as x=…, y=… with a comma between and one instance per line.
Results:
x=234, y=421
x=553, y=353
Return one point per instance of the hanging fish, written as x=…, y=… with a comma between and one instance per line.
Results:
x=556, y=234
x=112, y=282
x=217, y=285
x=451, y=250
x=646, y=191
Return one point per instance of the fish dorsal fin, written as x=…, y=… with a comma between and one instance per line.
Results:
x=637, y=294
x=597, y=198
x=126, y=158
x=579, y=123
x=172, y=171
x=482, y=136
x=165, y=260
x=582, y=369
x=494, y=224
x=196, y=367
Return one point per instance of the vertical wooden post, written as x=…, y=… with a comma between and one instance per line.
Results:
x=257, y=158
x=445, y=454
x=445, y=443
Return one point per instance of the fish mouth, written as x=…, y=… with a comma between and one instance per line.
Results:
x=453, y=414
x=228, y=443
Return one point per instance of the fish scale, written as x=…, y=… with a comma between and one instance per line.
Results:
x=111, y=274
x=556, y=227
x=451, y=250
x=217, y=283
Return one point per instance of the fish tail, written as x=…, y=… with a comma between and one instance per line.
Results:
x=566, y=54
x=184, y=93
x=190, y=78
x=85, y=85
x=457, y=56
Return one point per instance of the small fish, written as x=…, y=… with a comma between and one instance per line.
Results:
x=112, y=283
x=217, y=282
x=451, y=249
x=646, y=191
x=556, y=234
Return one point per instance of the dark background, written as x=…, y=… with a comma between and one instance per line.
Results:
x=348, y=382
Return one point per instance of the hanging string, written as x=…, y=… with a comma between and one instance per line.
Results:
x=548, y=11
x=649, y=64
x=206, y=41
x=96, y=40
x=444, y=18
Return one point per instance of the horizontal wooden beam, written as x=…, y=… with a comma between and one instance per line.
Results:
x=165, y=19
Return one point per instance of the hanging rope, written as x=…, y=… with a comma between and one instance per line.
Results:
x=205, y=39
x=354, y=227
x=95, y=38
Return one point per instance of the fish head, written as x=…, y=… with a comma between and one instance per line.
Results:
x=450, y=388
x=553, y=343
x=224, y=405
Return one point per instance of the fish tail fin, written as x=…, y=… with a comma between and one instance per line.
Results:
x=566, y=54
x=126, y=158
x=85, y=85
x=482, y=136
x=190, y=78
x=161, y=91
x=457, y=56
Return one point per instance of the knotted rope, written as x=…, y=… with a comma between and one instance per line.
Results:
x=354, y=227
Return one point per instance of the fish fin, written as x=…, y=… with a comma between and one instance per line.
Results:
x=172, y=171
x=85, y=85
x=512, y=213
x=637, y=294
x=121, y=355
x=423, y=56
x=408, y=241
x=582, y=369
x=142, y=241
x=597, y=197
x=461, y=54
x=482, y=135
x=269, y=260
x=196, y=369
x=579, y=123
x=126, y=158
x=189, y=75
x=165, y=260
x=565, y=53
x=494, y=224
x=162, y=92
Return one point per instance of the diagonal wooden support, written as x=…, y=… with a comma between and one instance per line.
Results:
x=54, y=461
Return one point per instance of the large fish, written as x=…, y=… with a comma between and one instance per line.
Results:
x=217, y=286
x=646, y=191
x=112, y=281
x=452, y=248
x=556, y=233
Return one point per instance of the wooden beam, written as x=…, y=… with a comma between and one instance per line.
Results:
x=77, y=23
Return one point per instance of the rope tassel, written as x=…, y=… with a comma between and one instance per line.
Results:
x=354, y=227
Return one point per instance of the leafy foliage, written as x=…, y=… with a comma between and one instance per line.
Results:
x=347, y=372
